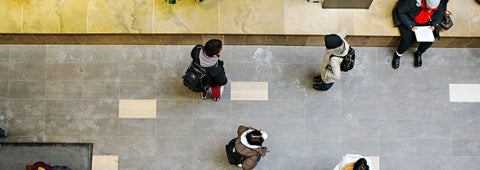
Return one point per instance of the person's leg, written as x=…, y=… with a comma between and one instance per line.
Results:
x=216, y=92
x=317, y=79
x=406, y=40
x=422, y=47
x=322, y=86
x=203, y=94
x=3, y=133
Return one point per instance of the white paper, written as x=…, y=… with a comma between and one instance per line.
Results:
x=424, y=34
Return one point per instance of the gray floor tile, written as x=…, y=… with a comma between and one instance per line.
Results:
x=27, y=71
x=100, y=90
x=465, y=162
x=63, y=127
x=4, y=54
x=106, y=108
x=286, y=109
x=104, y=72
x=174, y=127
x=466, y=146
x=28, y=54
x=205, y=109
x=27, y=108
x=64, y=53
x=58, y=90
x=434, y=147
x=437, y=129
x=4, y=71
x=397, y=128
x=136, y=127
x=63, y=108
x=26, y=90
x=100, y=127
x=138, y=90
x=139, y=72
x=249, y=109
x=174, y=109
x=65, y=72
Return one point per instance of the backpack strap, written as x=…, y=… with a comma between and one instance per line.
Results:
x=195, y=53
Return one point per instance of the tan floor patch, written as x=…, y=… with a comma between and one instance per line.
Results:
x=375, y=160
x=249, y=91
x=464, y=93
x=105, y=162
x=137, y=108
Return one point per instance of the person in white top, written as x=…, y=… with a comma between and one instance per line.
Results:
x=330, y=69
x=354, y=162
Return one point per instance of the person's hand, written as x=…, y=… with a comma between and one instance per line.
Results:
x=414, y=29
x=329, y=67
x=432, y=28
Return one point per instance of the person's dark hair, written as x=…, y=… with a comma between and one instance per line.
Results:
x=212, y=47
x=255, y=138
x=361, y=164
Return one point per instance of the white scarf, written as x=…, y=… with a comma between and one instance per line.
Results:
x=243, y=140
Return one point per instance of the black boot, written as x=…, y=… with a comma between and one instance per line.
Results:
x=417, y=59
x=395, y=61
x=317, y=79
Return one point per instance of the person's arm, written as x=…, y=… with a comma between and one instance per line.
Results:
x=250, y=162
x=403, y=9
x=439, y=14
x=334, y=72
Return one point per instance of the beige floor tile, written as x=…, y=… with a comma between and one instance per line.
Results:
x=464, y=92
x=249, y=91
x=105, y=162
x=375, y=160
x=137, y=108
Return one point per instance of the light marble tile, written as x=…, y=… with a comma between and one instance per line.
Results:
x=462, y=18
x=137, y=108
x=312, y=21
x=249, y=91
x=120, y=16
x=105, y=162
x=186, y=17
x=375, y=161
x=66, y=16
x=375, y=21
x=251, y=17
x=464, y=92
x=11, y=20
x=474, y=17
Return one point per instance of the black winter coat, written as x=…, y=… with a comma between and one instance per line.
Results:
x=405, y=12
x=216, y=73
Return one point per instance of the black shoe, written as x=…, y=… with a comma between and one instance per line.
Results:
x=417, y=59
x=317, y=79
x=319, y=86
x=395, y=61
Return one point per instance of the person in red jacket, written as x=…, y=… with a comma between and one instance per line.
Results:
x=408, y=14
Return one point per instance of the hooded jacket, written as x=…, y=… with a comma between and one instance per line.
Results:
x=213, y=65
x=330, y=76
x=251, y=152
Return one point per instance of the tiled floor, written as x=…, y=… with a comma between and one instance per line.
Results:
x=404, y=116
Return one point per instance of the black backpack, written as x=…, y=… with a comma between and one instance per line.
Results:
x=233, y=157
x=195, y=77
x=348, y=60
